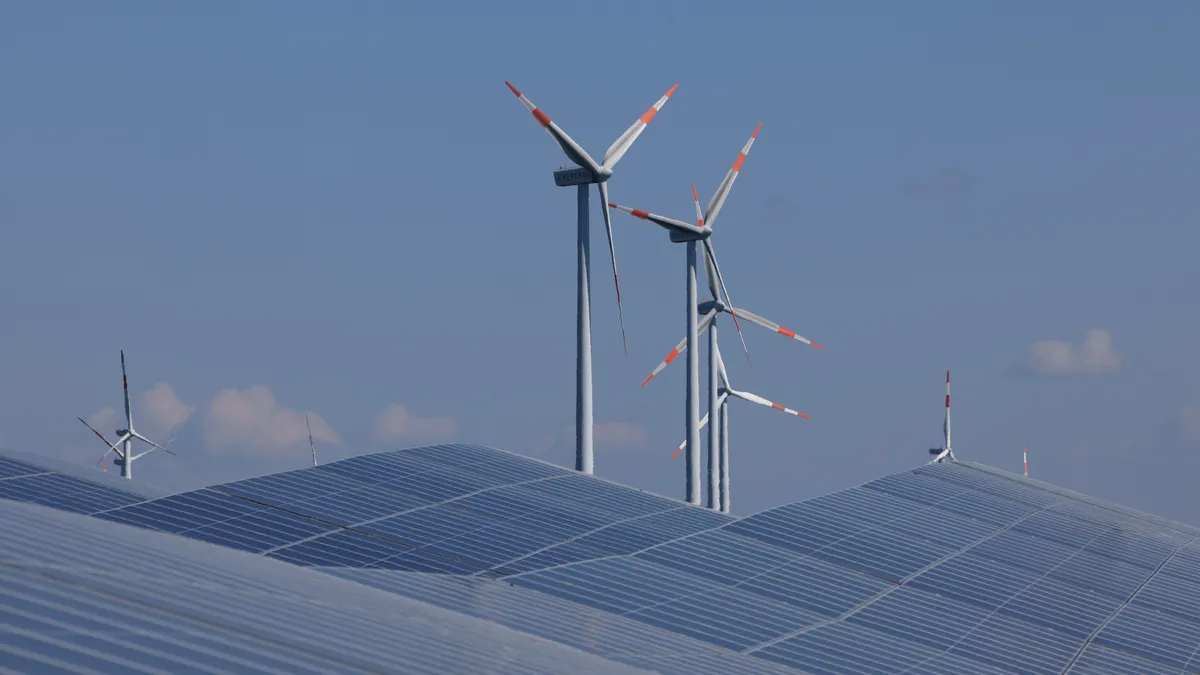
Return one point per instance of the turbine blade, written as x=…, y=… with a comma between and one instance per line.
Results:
x=711, y=254
x=755, y=398
x=718, y=198
x=98, y=434
x=620, y=146
x=662, y=221
x=682, y=346
x=709, y=274
x=703, y=421
x=612, y=253
x=156, y=445
x=569, y=146
x=721, y=369
x=125, y=384
x=771, y=325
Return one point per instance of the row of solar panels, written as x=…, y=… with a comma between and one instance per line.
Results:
x=944, y=569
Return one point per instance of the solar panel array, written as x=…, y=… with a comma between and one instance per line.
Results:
x=25, y=482
x=950, y=568
x=79, y=595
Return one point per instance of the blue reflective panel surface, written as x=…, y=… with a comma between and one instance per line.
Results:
x=12, y=467
x=1172, y=595
x=1102, y=661
x=945, y=569
x=843, y=647
x=63, y=492
x=1157, y=636
x=926, y=618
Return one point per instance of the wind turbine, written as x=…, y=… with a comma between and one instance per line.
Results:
x=720, y=477
x=945, y=453
x=584, y=174
x=125, y=437
x=690, y=234
x=709, y=311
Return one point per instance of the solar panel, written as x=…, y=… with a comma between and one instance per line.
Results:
x=60, y=491
x=948, y=568
x=181, y=607
x=609, y=635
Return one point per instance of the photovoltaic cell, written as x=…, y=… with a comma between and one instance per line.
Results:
x=918, y=616
x=841, y=648
x=1157, y=636
x=1101, y=661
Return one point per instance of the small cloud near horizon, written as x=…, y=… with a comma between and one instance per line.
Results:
x=396, y=423
x=1059, y=357
x=163, y=409
x=252, y=420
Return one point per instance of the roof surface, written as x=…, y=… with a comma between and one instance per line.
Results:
x=949, y=568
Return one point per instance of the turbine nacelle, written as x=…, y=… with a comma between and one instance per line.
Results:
x=578, y=175
x=679, y=236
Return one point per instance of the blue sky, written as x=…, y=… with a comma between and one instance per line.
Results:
x=343, y=206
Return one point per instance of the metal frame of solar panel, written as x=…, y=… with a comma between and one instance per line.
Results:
x=947, y=568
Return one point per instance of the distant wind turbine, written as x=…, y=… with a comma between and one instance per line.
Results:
x=945, y=453
x=123, y=447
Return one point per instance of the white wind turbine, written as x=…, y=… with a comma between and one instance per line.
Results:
x=718, y=464
x=708, y=312
x=584, y=174
x=945, y=453
x=685, y=232
x=125, y=456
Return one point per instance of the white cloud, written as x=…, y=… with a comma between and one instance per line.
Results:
x=395, y=423
x=251, y=420
x=103, y=419
x=1057, y=357
x=619, y=435
x=161, y=409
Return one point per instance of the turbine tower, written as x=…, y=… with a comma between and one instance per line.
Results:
x=945, y=453
x=586, y=172
x=719, y=497
x=690, y=234
x=125, y=437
